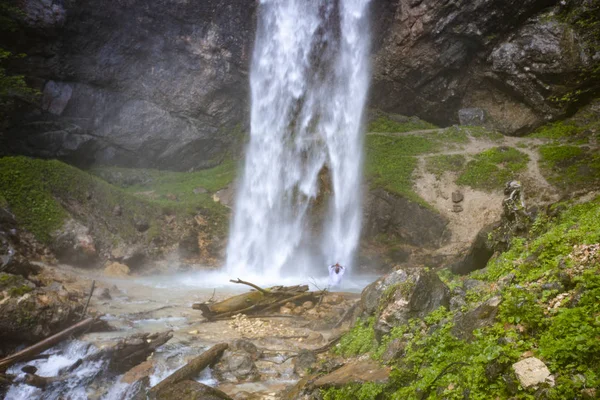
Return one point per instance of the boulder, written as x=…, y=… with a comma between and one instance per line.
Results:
x=471, y=116
x=420, y=293
x=305, y=360
x=371, y=295
x=73, y=244
x=532, y=372
x=191, y=390
x=237, y=364
x=409, y=222
x=483, y=315
x=478, y=255
x=116, y=270
x=361, y=371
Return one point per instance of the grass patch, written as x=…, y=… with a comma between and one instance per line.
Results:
x=437, y=165
x=392, y=123
x=390, y=162
x=492, y=168
x=437, y=364
x=479, y=132
x=570, y=167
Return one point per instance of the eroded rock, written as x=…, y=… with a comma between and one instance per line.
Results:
x=532, y=372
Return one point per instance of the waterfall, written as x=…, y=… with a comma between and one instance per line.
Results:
x=309, y=79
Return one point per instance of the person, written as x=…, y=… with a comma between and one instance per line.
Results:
x=336, y=271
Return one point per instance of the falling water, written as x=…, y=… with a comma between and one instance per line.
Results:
x=309, y=81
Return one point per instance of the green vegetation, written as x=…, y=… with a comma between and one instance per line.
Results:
x=492, y=168
x=437, y=165
x=386, y=123
x=570, y=167
x=40, y=192
x=550, y=309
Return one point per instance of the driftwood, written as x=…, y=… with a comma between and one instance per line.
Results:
x=134, y=350
x=191, y=369
x=32, y=351
x=257, y=301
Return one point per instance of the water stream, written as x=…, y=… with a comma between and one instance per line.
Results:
x=309, y=81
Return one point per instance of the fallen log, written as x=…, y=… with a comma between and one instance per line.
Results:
x=32, y=351
x=134, y=350
x=191, y=369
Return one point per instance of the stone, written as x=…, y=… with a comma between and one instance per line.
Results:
x=532, y=372
x=408, y=222
x=457, y=302
x=246, y=347
x=298, y=310
x=307, y=305
x=369, y=299
x=394, y=350
x=191, y=390
x=478, y=255
x=419, y=294
x=105, y=294
x=354, y=372
x=56, y=96
x=305, y=360
x=116, y=270
x=225, y=196
x=285, y=310
x=237, y=366
x=141, y=225
x=118, y=211
x=481, y=316
x=145, y=369
x=471, y=116
x=457, y=208
x=457, y=196
x=73, y=244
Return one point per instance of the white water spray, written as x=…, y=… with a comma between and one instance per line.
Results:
x=309, y=81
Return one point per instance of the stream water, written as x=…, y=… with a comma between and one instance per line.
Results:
x=309, y=80
x=147, y=305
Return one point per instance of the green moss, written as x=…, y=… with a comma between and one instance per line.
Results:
x=386, y=123
x=43, y=193
x=363, y=391
x=492, y=168
x=19, y=291
x=390, y=162
x=437, y=165
x=9, y=280
x=360, y=340
x=570, y=167
x=480, y=132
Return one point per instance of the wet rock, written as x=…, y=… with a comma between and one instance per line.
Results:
x=191, y=390
x=116, y=270
x=246, y=347
x=532, y=372
x=56, y=96
x=105, y=294
x=73, y=244
x=237, y=366
x=304, y=361
x=484, y=315
x=225, y=196
x=354, y=372
x=145, y=369
x=480, y=252
x=420, y=293
x=29, y=314
x=457, y=197
x=471, y=116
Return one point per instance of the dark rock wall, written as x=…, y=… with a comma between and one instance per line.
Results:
x=153, y=84
x=164, y=83
x=507, y=57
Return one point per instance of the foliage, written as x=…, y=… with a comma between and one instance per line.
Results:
x=437, y=165
x=492, y=168
x=385, y=123
x=570, y=167
x=38, y=190
x=364, y=391
x=562, y=331
x=360, y=340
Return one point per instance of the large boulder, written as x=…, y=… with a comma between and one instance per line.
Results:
x=414, y=294
x=73, y=244
x=409, y=222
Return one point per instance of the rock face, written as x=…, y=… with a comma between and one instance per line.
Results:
x=480, y=252
x=505, y=58
x=164, y=83
x=159, y=84
x=402, y=295
x=408, y=221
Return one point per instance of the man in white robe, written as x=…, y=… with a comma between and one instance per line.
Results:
x=336, y=271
